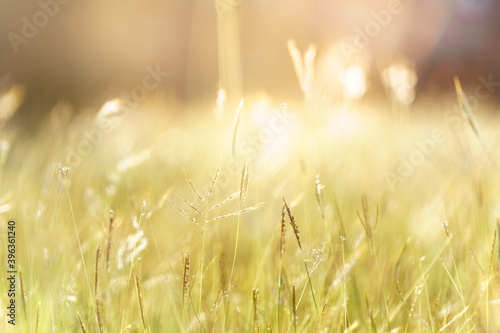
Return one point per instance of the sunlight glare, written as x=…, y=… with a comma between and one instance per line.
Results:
x=401, y=80
x=354, y=82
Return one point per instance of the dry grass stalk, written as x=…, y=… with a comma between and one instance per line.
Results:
x=473, y=255
x=37, y=322
x=321, y=316
x=309, y=71
x=296, y=232
x=192, y=186
x=214, y=180
x=222, y=269
x=436, y=306
x=465, y=106
x=364, y=206
x=223, y=202
x=96, y=273
x=283, y=230
x=98, y=312
x=418, y=291
x=219, y=103
x=418, y=288
x=246, y=210
x=304, y=68
x=9, y=103
x=294, y=309
x=445, y=226
x=126, y=329
x=23, y=294
x=368, y=230
x=498, y=231
x=319, y=197
x=370, y=311
x=109, y=242
x=183, y=212
x=269, y=326
x=490, y=266
x=293, y=224
x=163, y=198
x=244, y=183
x=346, y=271
x=221, y=296
x=185, y=280
x=193, y=207
x=454, y=319
x=396, y=274
x=255, y=298
x=235, y=126
x=366, y=226
x=298, y=65
x=141, y=301
x=133, y=160
x=82, y=326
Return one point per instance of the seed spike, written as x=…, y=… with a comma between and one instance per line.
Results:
x=192, y=186
x=293, y=224
x=231, y=197
x=214, y=180
x=235, y=126
x=283, y=230
x=257, y=206
x=185, y=280
x=244, y=183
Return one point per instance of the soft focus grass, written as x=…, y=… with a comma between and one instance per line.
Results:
x=404, y=274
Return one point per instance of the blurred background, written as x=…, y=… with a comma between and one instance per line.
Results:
x=83, y=52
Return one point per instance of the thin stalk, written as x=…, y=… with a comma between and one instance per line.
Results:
x=79, y=244
x=201, y=270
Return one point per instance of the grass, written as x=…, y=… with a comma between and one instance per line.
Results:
x=397, y=229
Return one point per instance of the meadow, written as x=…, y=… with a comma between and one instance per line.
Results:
x=352, y=216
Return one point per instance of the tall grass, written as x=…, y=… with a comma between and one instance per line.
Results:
x=419, y=255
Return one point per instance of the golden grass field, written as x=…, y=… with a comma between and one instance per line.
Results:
x=396, y=212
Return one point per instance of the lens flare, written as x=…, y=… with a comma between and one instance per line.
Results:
x=354, y=81
x=401, y=80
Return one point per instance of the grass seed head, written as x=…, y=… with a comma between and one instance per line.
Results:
x=185, y=279
x=109, y=242
x=294, y=308
x=141, y=301
x=293, y=224
x=82, y=326
x=98, y=310
x=283, y=230
x=255, y=298
x=96, y=274
x=214, y=180
x=244, y=183
x=192, y=187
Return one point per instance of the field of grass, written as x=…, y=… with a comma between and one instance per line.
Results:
x=170, y=221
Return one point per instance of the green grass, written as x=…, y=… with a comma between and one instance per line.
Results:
x=382, y=251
